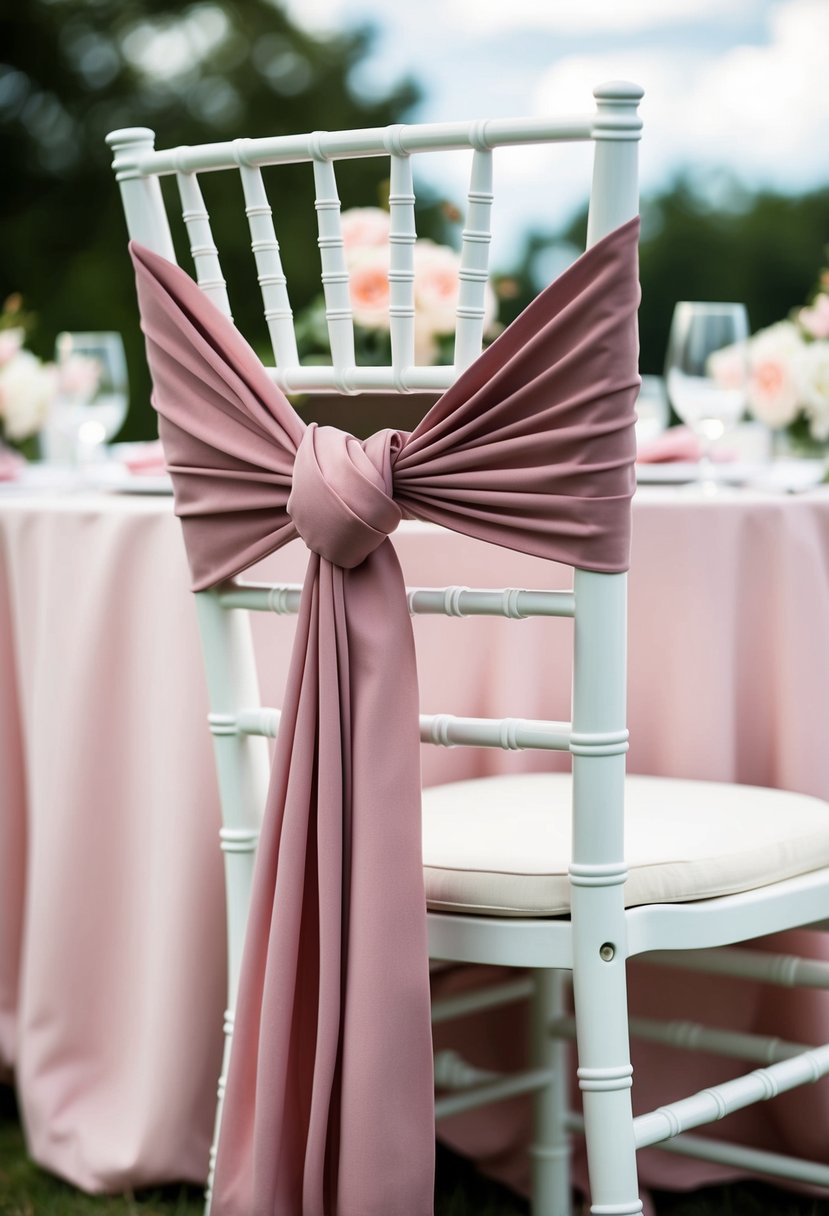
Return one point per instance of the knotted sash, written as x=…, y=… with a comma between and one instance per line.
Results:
x=329, y=1103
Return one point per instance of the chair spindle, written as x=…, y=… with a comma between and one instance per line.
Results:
x=269, y=271
x=335, y=281
x=474, y=271
x=402, y=236
x=202, y=246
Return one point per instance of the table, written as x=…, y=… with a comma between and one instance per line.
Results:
x=111, y=901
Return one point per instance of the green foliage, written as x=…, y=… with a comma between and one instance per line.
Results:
x=72, y=70
x=765, y=250
x=373, y=346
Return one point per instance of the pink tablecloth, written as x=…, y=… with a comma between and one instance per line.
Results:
x=111, y=903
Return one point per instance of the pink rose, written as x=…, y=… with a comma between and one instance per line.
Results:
x=436, y=287
x=773, y=383
x=369, y=289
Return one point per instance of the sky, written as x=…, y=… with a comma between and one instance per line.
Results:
x=736, y=85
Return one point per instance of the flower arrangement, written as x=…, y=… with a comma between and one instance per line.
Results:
x=365, y=232
x=788, y=372
x=27, y=385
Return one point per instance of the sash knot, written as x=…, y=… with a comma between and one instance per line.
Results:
x=341, y=499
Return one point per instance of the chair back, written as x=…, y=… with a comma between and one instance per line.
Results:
x=240, y=726
x=613, y=128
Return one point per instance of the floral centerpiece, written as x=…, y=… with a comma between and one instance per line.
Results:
x=27, y=385
x=365, y=232
x=788, y=372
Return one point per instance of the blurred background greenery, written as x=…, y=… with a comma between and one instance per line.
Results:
x=72, y=70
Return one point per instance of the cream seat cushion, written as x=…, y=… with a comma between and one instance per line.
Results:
x=500, y=846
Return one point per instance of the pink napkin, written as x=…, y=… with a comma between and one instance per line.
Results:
x=147, y=459
x=329, y=1102
x=12, y=464
x=676, y=443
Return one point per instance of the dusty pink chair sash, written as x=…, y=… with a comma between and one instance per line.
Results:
x=329, y=1104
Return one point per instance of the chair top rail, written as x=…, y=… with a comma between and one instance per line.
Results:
x=511, y=602
x=401, y=139
x=616, y=117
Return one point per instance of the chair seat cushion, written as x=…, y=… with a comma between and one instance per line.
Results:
x=500, y=846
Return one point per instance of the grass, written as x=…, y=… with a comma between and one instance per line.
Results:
x=26, y=1190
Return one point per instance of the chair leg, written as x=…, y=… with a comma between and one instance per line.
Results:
x=605, y=1077
x=208, y=1195
x=551, y=1148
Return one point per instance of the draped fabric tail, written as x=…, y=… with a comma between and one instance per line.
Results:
x=326, y=1013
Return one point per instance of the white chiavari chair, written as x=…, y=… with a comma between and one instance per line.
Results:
x=627, y=867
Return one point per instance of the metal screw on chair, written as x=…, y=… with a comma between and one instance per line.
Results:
x=607, y=952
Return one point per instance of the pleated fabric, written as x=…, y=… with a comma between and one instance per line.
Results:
x=329, y=1102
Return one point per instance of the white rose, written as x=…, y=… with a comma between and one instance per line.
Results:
x=11, y=341
x=813, y=378
x=27, y=387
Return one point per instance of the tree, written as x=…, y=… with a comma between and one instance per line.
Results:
x=73, y=70
x=766, y=250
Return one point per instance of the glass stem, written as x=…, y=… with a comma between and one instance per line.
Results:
x=705, y=466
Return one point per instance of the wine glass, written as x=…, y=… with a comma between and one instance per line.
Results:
x=91, y=401
x=706, y=372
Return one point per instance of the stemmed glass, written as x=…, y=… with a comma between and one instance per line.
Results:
x=706, y=372
x=92, y=397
